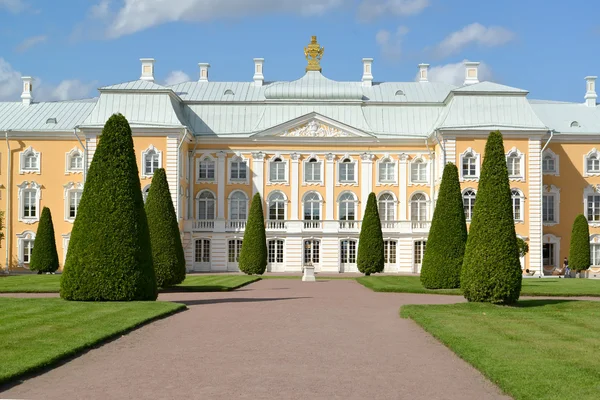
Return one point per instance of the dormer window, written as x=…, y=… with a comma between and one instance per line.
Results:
x=51, y=121
x=399, y=93
x=30, y=161
x=574, y=124
x=228, y=92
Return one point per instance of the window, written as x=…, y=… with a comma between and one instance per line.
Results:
x=151, y=162
x=25, y=242
x=418, y=171
x=30, y=161
x=517, y=200
x=418, y=207
x=548, y=164
x=548, y=208
x=206, y=205
x=593, y=207
x=468, y=203
x=145, y=192
x=311, y=251
x=202, y=251
x=74, y=199
x=469, y=164
x=347, y=211
x=514, y=161
x=312, y=170
x=234, y=249
x=27, y=249
x=206, y=169
x=74, y=160
x=387, y=171
x=346, y=170
x=238, y=169
x=419, y=251
x=277, y=170
x=387, y=207
x=312, y=207
x=276, y=206
x=238, y=204
x=595, y=254
x=389, y=251
x=548, y=255
x=275, y=251
x=29, y=202
x=593, y=162
x=348, y=251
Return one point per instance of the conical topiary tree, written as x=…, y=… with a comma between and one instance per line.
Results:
x=253, y=257
x=167, y=250
x=491, y=269
x=110, y=257
x=579, y=250
x=370, y=258
x=445, y=249
x=44, y=257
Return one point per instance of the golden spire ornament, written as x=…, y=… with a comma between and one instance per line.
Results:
x=313, y=53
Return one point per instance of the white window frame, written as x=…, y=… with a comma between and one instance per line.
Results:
x=238, y=158
x=594, y=241
x=596, y=154
x=394, y=202
x=198, y=204
x=387, y=160
x=286, y=170
x=320, y=163
x=276, y=242
x=65, y=245
x=21, y=238
x=229, y=204
x=551, y=190
x=269, y=200
x=38, y=195
x=203, y=253
x=354, y=202
x=415, y=161
x=75, y=151
x=354, y=165
x=521, y=198
x=556, y=158
x=145, y=192
x=555, y=240
x=421, y=247
x=25, y=153
x=320, y=205
x=237, y=249
x=310, y=254
x=521, y=157
x=591, y=190
x=426, y=206
x=199, y=160
x=150, y=149
x=341, y=259
x=472, y=206
x=68, y=189
x=477, y=158
x=387, y=246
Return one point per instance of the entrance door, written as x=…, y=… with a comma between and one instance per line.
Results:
x=202, y=255
x=549, y=258
x=275, y=255
x=348, y=256
x=419, y=251
x=311, y=254
x=234, y=248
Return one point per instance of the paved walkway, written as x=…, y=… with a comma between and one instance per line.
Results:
x=274, y=339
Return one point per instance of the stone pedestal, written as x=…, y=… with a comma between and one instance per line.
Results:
x=309, y=274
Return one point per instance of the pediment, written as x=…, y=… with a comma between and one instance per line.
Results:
x=313, y=126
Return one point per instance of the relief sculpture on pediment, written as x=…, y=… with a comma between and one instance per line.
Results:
x=315, y=129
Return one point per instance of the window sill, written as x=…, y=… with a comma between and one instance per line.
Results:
x=549, y=223
x=29, y=221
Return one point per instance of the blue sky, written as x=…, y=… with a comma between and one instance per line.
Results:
x=74, y=46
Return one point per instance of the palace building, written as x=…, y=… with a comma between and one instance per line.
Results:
x=314, y=148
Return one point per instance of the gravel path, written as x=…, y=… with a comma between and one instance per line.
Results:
x=273, y=339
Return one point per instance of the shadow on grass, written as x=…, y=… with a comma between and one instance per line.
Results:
x=540, y=303
x=235, y=300
x=205, y=288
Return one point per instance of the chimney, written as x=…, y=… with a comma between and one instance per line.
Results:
x=423, y=70
x=27, y=95
x=471, y=75
x=203, y=72
x=258, y=72
x=147, y=69
x=367, y=78
x=590, y=95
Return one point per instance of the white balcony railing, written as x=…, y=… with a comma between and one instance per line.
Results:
x=352, y=226
x=235, y=225
x=204, y=225
x=276, y=225
x=312, y=225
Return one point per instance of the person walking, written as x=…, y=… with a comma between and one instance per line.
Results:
x=566, y=268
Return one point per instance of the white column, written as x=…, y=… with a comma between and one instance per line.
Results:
x=258, y=173
x=366, y=182
x=294, y=185
x=329, y=185
x=403, y=183
x=534, y=171
x=221, y=185
x=170, y=166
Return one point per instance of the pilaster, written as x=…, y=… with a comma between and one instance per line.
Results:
x=329, y=185
x=535, y=205
x=295, y=157
x=366, y=181
x=221, y=185
x=403, y=184
x=258, y=173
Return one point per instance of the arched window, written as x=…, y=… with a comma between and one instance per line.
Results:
x=593, y=163
x=76, y=162
x=418, y=207
x=548, y=164
x=469, y=165
x=517, y=203
x=206, y=169
x=347, y=210
x=387, y=171
x=346, y=170
x=468, y=203
x=387, y=207
x=206, y=205
x=151, y=160
x=312, y=207
x=238, y=205
x=30, y=160
x=276, y=206
x=513, y=163
x=418, y=171
x=312, y=170
x=277, y=170
x=145, y=191
x=238, y=169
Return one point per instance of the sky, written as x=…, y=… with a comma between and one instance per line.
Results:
x=73, y=47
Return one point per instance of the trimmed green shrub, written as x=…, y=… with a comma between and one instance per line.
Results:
x=167, y=251
x=447, y=238
x=44, y=257
x=523, y=247
x=579, y=250
x=370, y=258
x=253, y=256
x=491, y=269
x=110, y=257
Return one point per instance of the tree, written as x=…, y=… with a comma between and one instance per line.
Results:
x=445, y=249
x=523, y=247
x=579, y=251
x=44, y=257
x=253, y=257
x=370, y=258
x=167, y=251
x=491, y=269
x=110, y=256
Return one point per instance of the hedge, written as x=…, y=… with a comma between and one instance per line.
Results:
x=44, y=257
x=579, y=250
x=253, y=256
x=370, y=258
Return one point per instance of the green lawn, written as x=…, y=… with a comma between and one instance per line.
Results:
x=193, y=283
x=38, y=332
x=531, y=287
x=541, y=349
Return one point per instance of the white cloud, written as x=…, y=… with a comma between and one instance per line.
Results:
x=100, y=10
x=473, y=34
x=371, y=9
x=454, y=74
x=67, y=90
x=137, y=15
x=176, y=77
x=30, y=42
x=10, y=81
x=391, y=43
x=14, y=6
